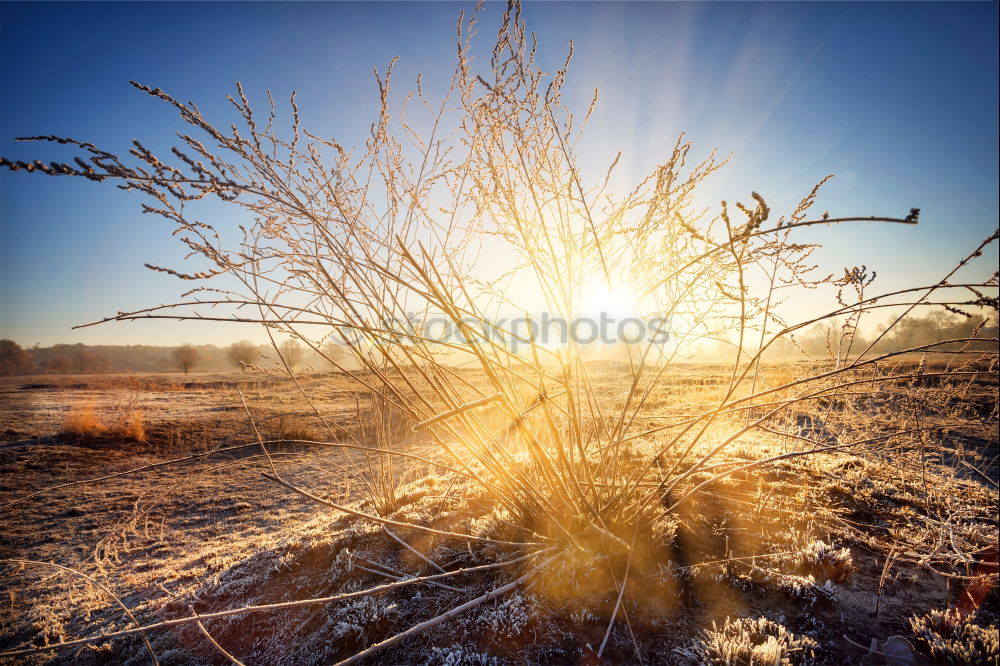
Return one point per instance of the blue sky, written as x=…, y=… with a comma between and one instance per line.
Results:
x=898, y=100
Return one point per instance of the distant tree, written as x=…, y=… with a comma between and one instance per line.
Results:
x=99, y=363
x=14, y=360
x=242, y=353
x=58, y=365
x=185, y=357
x=935, y=326
x=335, y=356
x=82, y=359
x=291, y=352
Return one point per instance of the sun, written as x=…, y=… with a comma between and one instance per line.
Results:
x=615, y=301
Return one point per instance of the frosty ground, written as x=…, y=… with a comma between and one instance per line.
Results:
x=819, y=555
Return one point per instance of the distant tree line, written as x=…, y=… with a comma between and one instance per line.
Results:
x=87, y=359
x=839, y=339
x=936, y=326
x=821, y=340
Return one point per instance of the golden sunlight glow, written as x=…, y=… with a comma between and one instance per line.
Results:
x=617, y=301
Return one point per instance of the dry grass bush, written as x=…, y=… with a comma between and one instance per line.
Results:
x=349, y=241
x=456, y=655
x=126, y=422
x=950, y=637
x=751, y=642
x=383, y=428
x=133, y=426
x=823, y=561
x=83, y=422
x=293, y=427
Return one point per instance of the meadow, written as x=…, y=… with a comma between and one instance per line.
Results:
x=848, y=545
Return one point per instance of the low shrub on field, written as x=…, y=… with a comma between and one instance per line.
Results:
x=751, y=642
x=950, y=637
x=86, y=422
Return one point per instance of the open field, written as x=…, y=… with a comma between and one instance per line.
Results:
x=840, y=548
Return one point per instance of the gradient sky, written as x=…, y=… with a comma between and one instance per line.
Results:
x=898, y=100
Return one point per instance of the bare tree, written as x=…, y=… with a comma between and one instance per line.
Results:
x=291, y=352
x=14, y=360
x=186, y=357
x=83, y=360
x=242, y=353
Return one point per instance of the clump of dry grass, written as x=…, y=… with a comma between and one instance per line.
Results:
x=83, y=422
x=823, y=561
x=133, y=425
x=751, y=642
x=457, y=655
x=384, y=429
x=294, y=427
x=950, y=637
